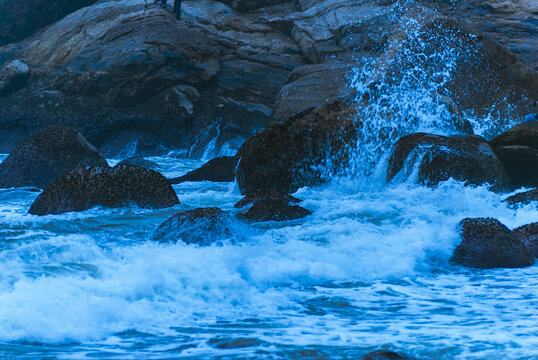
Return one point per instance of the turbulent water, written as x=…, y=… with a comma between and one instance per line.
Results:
x=368, y=270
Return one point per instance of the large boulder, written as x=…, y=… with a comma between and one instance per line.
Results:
x=83, y=188
x=522, y=198
x=46, y=155
x=13, y=76
x=203, y=226
x=20, y=19
x=302, y=151
x=270, y=206
x=221, y=169
x=486, y=243
x=439, y=158
x=528, y=235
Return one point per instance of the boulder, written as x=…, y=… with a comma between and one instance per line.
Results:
x=13, y=77
x=528, y=235
x=520, y=163
x=141, y=162
x=83, y=188
x=270, y=206
x=464, y=158
x=221, y=169
x=20, y=19
x=385, y=355
x=46, y=155
x=486, y=243
x=525, y=134
x=303, y=151
x=523, y=198
x=204, y=227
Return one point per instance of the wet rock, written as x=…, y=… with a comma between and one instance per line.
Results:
x=221, y=169
x=19, y=19
x=203, y=226
x=239, y=343
x=13, y=77
x=285, y=157
x=46, y=155
x=271, y=206
x=439, y=158
x=83, y=188
x=525, y=134
x=385, y=355
x=520, y=163
x=141, y=162
x=486, y=243
x=528, y=235
x=523, y=198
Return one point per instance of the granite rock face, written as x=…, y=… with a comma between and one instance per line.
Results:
x=83, y=188
x=46, y=155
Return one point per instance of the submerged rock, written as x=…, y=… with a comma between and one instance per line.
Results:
x=221, y=169
x=439, y=158
x=141, y=162
x=83, y=188
x=385, y=355
x=203, y=226
x=271, y=206
x=44, y=156
x=297, y=153
x=13, y=77
x=523, y=198
x=528, y=235
x=486, y=243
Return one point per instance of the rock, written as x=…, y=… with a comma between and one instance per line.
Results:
x=525, y=134
x=486, y=243
x=46, y=155
x=20, y=19
x=463, y=158
x=285, y=157
x=523, y=198
x=221, y=169
x=204, y=227
x=141, y=162
x=528, y=235
x=271, y=206
x=83, y=188
x=385, y=355
x=520, y=163
x=13, y=77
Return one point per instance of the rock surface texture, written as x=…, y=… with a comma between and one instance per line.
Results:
x=83, y=188
x=464, y=158
x=486, y=243
x=221, y=169
x=523, y=198
x=270, y=206
x=528, y=235
x=46, y=155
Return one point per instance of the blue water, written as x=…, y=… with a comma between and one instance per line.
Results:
x=369, y=269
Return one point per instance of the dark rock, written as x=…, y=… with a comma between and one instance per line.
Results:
x=221, y=169
x=139, y=161
x=46, y=155
x=83, y=188
x=239, y=343
x=271, y=206
x=486, y=243
x=520, y=163
x=528, y=235
x=385, y=355
x=19, y=19
x=13, y=77
x=463, y=158
x=525, y=134
x=285, y=157
x=204, y=227
x=523, y=198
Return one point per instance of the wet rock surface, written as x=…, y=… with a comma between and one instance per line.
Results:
x=439, y=158
x=528, y=235
x=486, y=243
x=46, y=155
x=141, y=162
x=203, y=226
x=385, y=355
x=271, y=206
x=83, y=188
x=522, y=198
x=13, y=76
x=221, y=169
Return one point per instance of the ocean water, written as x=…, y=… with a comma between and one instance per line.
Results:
x=368, y=270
